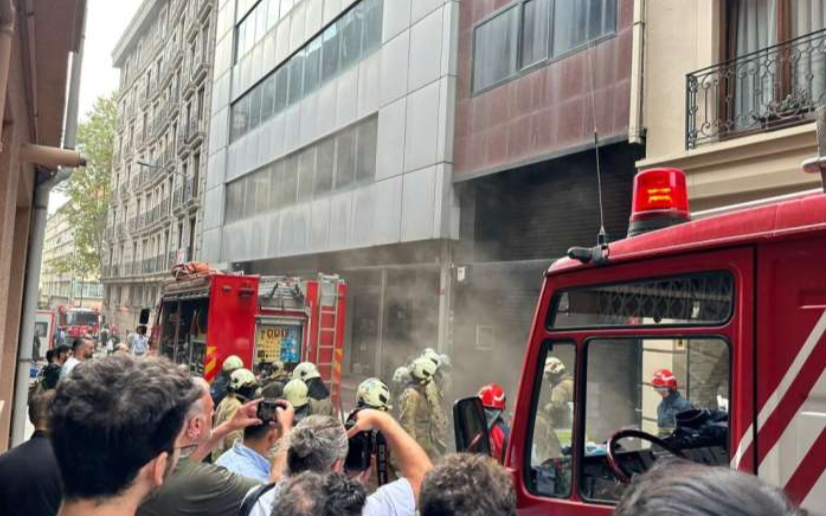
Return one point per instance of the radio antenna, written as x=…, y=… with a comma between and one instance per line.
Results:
x=602, y=237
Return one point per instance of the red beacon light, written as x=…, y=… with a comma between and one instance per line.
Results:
x=660, y=200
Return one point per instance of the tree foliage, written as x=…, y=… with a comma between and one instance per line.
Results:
x=88, y=190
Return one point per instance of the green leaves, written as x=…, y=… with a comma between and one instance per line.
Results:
x=88, y=189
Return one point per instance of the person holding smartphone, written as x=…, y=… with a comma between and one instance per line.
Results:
x=249, y=456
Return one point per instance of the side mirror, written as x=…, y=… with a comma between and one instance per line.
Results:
x=470, y=426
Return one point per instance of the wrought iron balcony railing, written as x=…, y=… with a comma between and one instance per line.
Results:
x=771, y=88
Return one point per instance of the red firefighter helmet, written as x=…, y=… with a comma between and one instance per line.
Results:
x=493, y=396
x=664, y=378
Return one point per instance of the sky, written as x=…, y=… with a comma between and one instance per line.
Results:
x=106, y=20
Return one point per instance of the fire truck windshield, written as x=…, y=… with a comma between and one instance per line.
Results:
x=81, y=318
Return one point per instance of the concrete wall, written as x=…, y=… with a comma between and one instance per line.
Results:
x=682, y=37
x=409, y=84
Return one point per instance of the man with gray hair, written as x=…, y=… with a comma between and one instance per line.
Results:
x=319, y=444
x=312, y=494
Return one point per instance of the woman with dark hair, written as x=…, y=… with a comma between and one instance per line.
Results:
x=679, y=488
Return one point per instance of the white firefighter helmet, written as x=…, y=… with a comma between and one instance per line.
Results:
x=241, y=378
x=231, y=363
x=423, y=369
x=277, y=366
x=296, y=393
x=402, y=375
x=432, y=355
x=373, y=393
x=306, y=371
x=554, y=366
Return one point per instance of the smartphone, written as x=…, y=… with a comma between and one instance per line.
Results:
x=268, y=410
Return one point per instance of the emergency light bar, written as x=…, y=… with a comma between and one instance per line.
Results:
x=660, y=200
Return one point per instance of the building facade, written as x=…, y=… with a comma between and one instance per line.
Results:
x=58, y=284
x=537, y=79
x=154, y=221
x=40, y=38
x=331, y=150
x=731, y=90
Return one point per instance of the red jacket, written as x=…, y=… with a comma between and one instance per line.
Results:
x=498, y=440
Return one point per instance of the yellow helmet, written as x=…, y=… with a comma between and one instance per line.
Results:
x=241, y=378
x=296, y=393
x=373, y=393
x=231, y=363
x=306, y=371
x=423, y=369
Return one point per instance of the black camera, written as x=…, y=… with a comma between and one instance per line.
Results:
x=359, y=450
x=268, y=410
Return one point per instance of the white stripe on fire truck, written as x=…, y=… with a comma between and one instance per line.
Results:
x=816, y=498
x=782, y=389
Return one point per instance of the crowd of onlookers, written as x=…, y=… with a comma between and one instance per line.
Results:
x=120, y=436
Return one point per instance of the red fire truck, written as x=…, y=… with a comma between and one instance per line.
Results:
x=732, y=305
x=78, y=321
x=203, y=318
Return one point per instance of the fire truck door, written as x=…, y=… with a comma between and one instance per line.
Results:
x=791, y=368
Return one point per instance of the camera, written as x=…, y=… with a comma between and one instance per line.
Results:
x=359, y=450
x=268, y=410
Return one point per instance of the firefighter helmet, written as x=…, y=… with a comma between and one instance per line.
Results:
x=493, y=396
x=296, y=393
x=277, y=366
x=554, y=366
x=423, y=369
x=306, y=371
x=241, y=378
x=231, y=363
x=402, y=375
x=664, y=379
x=432, y=355
x=373, y=393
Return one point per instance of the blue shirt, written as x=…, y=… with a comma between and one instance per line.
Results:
x=246, y=462
x=140, y=344
x=667, y=412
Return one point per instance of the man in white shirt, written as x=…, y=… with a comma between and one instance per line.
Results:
x=319, y=444
x=82, y=350
x=141, y=342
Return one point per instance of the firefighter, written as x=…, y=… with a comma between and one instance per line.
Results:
x=436, y=393
x=320, y=402
x=373, y=393
x=493, y=399
x=219, y=386
x=555, y=415
x=280, y=373
x=295, y=392
x=665, y=383
x=416, y=412
x=242, y=388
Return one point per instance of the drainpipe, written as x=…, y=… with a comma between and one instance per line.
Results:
x=635, y=122
x=48, y=157
x=7, y=16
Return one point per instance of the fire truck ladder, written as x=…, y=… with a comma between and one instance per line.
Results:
x=326, y=359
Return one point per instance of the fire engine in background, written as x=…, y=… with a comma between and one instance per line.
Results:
x=703, y=339
x=78, y=322
x=204, y=317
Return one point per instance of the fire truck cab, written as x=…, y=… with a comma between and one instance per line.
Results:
x=78, y=321
x=731, y=307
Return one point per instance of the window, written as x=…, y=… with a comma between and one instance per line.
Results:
x=330, y=59
x=688, y=409
x=312, y=67
x=550, y=451
x=261, y=190
x=345, y=158
x=706, y=298
x=534, y=31
x=495, y=47
x=255, y=108
x=282, y=85
x=366, y=151
x=536, y=26
x=290, y=181
x=306, y=171
x=296, y=66
x=276, y=185
x=325, y=165
x=267, y=98
x=272, y=13
x=350, y=42
x=371, y=13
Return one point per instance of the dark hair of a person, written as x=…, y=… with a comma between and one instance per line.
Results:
x=62, y=350
x=467, y=485
x=39, y=406
x=77, y=344
x=680, y=488
x=111, y=417
x=317, y=390
x=50, y=355
x=273, y=390
x=314, y=494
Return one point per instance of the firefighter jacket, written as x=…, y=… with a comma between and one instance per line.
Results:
x=416, y=417
x=435, y=398
x=229, y=405
x=323, y=407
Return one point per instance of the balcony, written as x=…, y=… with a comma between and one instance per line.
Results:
x=182, y=138
x=178, y=198
x=195, y=133
x=772, y=88
x=204, y=7
x=164, y=211
x=200, y=65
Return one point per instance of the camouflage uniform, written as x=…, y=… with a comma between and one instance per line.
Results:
x=229, y=405
x=554, y=417
x=416, y=417
x=322, y=407
x=438, y=414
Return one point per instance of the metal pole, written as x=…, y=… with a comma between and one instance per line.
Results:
x=35, y=254
x=380, y=323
